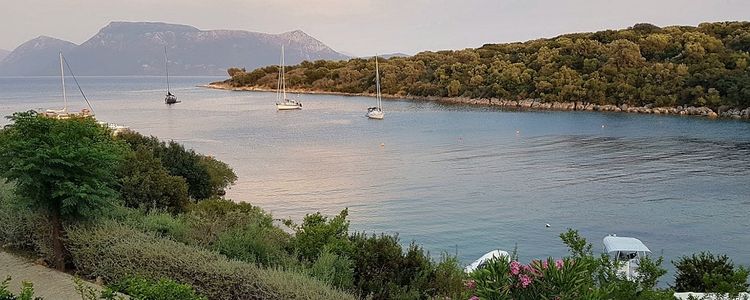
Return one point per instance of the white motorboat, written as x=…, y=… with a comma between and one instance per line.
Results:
x=627, y=251
x=494, y=254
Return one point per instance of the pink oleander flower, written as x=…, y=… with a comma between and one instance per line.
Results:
x=474, y=298
x=470, y=284
x=544, y=265
x=559, y=264
x=515, y=267
x=528, y=267
x=525, y=281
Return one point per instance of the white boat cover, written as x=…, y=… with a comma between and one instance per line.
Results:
x=624, y=244
x=490, y=255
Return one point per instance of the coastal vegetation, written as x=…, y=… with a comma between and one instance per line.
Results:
x=641, y=66
x=140, y=238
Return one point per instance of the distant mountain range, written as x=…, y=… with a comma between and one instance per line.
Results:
x=3, y=54
x=137, y=48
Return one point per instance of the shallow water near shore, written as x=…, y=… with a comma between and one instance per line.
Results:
x=457, y=179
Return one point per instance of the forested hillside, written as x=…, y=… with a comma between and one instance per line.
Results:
x=645, y=64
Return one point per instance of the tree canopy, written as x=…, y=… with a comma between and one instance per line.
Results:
x=66, y=168
x=644, y=64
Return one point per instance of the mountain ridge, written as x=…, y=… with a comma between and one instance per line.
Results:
x=137, y=48
x=3, y=53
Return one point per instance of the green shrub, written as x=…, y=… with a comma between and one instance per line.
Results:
x=255, y=243
x=139, y=288
x=22, y=227
x=383, y=270
x=705, y=272
x=317, y=232
x=333, y=269
x=205, y=176
x=27, y=291
x=115, y=251
x=145, y=183
x=448, y=277
x=162, y=223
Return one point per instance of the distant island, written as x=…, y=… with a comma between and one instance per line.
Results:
x=137, y=48
x=685, y=70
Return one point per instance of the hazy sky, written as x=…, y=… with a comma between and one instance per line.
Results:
x=363, y=27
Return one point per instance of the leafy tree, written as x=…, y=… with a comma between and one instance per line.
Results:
x=235, y=71
x=205, y=176
x=318, y=231
x=145, y=183
x=705, y=272
x=65, y=168
x=640, y=65
x=220, y=174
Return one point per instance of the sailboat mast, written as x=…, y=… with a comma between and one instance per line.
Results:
x=166, y=67
x=62, y=77
x=283, y=77
x=377, y=81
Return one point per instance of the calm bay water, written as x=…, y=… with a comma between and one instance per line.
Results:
x=460, y=179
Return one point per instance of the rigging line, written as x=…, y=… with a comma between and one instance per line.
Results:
x=79, y=86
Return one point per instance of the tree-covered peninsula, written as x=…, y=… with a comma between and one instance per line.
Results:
x=641, y=66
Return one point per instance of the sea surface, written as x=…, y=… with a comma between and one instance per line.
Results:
x=458, y=179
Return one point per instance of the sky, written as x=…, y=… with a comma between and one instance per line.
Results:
x=364, y=27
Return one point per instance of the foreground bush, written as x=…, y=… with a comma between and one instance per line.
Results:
x=63, y=168
x=139, y=288
x=380, y=266
x=238, y=230
x=579, y=276
x=22, y=227
x=115, y=251
x=27, y=291
x=705, y=272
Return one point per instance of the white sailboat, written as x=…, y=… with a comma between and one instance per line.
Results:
x=282, y=102
x=63, y=113
x=376, y=112
x=170, y=98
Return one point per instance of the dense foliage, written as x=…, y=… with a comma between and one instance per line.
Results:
x=139, y=288
x=116, y=251
x=706, y=65
x=145, y=183
x=579, y=276
x=65, y=168
x=26, y=293
x=205, y=176
x=705, y=272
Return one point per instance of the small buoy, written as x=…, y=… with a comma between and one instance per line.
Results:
x=382, y=144
x=604, y=125
x=518, y=131
x=547, y=225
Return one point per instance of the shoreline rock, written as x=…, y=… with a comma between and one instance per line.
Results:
x=531, y=104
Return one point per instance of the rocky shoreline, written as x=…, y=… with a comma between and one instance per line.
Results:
x=534, y=104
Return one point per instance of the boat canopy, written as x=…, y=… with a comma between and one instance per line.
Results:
x=624, y=244
x=482, y=260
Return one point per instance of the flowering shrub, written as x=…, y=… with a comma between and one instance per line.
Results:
x=579, y=276
x=540, y=279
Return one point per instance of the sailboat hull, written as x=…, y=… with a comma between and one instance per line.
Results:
x=288, y=106
x=171, y=99
x=375, y=114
